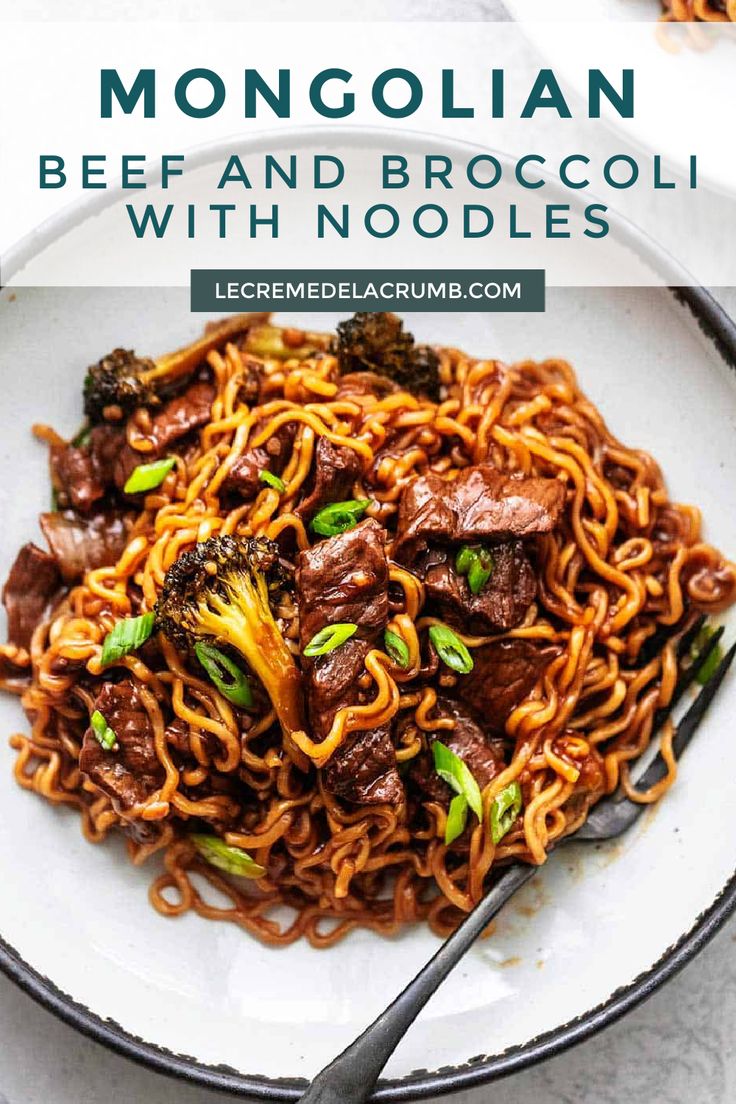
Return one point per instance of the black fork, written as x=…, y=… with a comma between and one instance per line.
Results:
x=351, y=1078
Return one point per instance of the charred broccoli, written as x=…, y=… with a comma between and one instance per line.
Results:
x=117, y=381
x=376, y=342
x=120, y=382
x=219, y=592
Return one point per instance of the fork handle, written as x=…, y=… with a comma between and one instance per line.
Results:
x=351, y=1078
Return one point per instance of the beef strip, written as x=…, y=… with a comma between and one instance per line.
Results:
x=187, y=411
x=481, y=504
x=504, y=672
x=75, y=477
x=499, y=606
x=364, y=770
x=82, y=544
x=81, y=476
x=435, y=516
x=130, y=773
x=335, y=469
x=485, y=758
x=114, y=458
x=34, y=581
x=345, y=578
x=244, y=479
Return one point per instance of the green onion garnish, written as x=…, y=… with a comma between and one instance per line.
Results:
x=126, y=636
x=82, y=436
x=225, y=674
x=396, y=648
x=233, y=860
x=266, y=476
x=457, y=817
x=338, y=517
x=329, y=638
x=450, y=649
x=147, y=476
x=476, y=563
x=105, y=735
x=505, y=808
x=456, y=773
x=709, y=668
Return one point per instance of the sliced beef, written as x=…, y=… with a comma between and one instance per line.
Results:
x=504, y=672
x=182, y=414
x=481, y=504
x=364, y=770
x=33, y=583
x=333, y=681
x=244, y=479
x=499, y=606
x=484, y=757
x=75, y=477
x=82, y=476
x=335, y=470
x=130, y=773
x=82, y=544
x=345, y=578
x=114, y=458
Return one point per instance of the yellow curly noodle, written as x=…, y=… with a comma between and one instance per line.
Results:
x=624, y=561
x=706, y=11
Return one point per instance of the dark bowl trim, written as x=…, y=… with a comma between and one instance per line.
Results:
x=719, y=328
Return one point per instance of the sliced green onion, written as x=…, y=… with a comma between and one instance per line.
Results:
x=476, y=563
x=709, y=668
x=233, y=860
x=225, y=674
x=105, y=735
x=505, y=808
x=126, y=636
x=329, y=638
x=266, y=476
x=396, y=648
x=464, y=559
x=338, y=517
x=456, y=773
x=82, y=436
x=457, y=818
x=450, y=649
x=147, y=476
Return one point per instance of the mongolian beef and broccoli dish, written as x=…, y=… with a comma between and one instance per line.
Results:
x=338, y=624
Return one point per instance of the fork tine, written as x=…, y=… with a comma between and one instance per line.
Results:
x=687, y=726
x=615, y=814
x=689, y=723
x=652, y=647
x=687, y=677
x=690, y=635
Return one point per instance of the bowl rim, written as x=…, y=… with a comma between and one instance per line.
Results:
x=720, y=330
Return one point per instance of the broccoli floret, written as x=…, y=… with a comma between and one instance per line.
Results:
x=219, y=592
x=376, y=342
x=120, y=382
x=117, y=381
